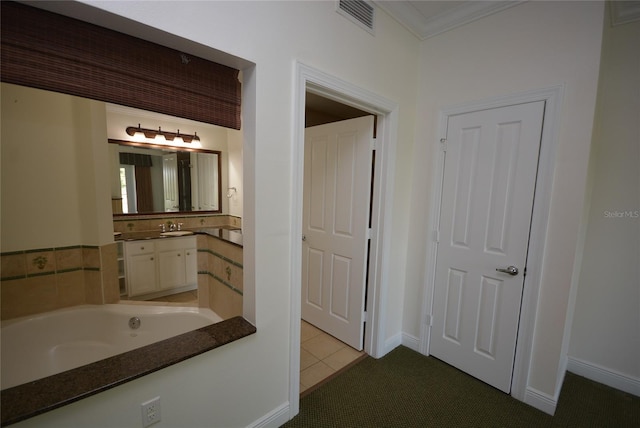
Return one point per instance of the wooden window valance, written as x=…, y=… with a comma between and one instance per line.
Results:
x=48, y=51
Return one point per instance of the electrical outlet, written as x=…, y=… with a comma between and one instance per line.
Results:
x=150, y=412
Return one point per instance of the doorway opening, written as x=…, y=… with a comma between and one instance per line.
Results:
x=310, y=80
x=327, y=346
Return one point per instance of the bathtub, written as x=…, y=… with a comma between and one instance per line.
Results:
x=45, y=344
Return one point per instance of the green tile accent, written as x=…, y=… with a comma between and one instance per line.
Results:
x=220, y=256
x=69, y=270
x=72, y=247
x=31, y=275
x=39, y=250
x=224, y=283
x=93, y=269
x=12, y=253
x=10, y=278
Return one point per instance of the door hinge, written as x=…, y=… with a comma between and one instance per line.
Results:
x=369, y=233
x=374, y=144
x=443, y=144
x=436, y=236
x=365, y=316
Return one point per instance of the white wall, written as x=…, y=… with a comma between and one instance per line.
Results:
x=242, y=382
x=234, y=147
x=605, y=338
x=530, y=46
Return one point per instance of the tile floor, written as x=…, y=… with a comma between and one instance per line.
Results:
x=321, y=356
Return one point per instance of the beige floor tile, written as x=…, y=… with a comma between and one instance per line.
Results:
x=322, y=346
x=303, y=388
x=308, y=331
x=306, y=359
x=342, y=358
x=316, y=373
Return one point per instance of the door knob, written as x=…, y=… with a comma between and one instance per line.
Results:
x=511, y=270
x=304, y=237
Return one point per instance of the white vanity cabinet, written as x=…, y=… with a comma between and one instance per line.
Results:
x=141, y=267
x=157, y=266
x=177, y=259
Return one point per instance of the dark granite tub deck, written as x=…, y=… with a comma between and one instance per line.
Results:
x=30, y=399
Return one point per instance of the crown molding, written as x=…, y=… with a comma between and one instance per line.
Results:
x=423, y=28
x=624, y=12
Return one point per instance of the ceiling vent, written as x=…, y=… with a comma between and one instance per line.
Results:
x=361, y=12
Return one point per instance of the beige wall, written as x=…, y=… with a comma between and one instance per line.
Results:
x=605, y=333
x=248, y=380
x=54, y=189
x=531, y=46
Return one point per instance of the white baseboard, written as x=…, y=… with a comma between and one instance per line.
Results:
x=604, y=375
x=411, y=342
x=540, y=400
x=273, y=419
x=401, y=338
x=392, y=343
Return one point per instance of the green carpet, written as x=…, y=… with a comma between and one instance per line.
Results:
x=407, y=389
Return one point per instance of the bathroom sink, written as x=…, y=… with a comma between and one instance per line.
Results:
x=177, y=233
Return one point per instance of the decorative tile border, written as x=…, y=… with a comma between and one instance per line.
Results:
x=220, y=256
x=222, y=281
x=44, y=261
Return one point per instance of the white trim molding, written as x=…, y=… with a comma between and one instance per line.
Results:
x=624, y=12
x=540, y=400
x=425, y=27
x=411, y=342
x=321, y=83
x=604, y=375
x=273, y=419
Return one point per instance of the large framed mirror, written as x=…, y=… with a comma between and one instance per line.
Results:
x=158, y=179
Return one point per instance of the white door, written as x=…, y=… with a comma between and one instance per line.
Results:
x=170, y=181
x=491, y=162
x=207, y=181
x=337, y=187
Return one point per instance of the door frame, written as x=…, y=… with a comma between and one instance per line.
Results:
x=321, y=83
x=538, y=231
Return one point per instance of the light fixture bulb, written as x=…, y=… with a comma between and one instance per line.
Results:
x=178, y=138
x=139, y=135
x=160, y=137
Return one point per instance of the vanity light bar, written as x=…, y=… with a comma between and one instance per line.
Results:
x=169, y=136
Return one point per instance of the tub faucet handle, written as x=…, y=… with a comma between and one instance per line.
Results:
x=163, y=227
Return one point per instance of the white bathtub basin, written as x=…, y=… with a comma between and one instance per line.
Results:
x=45, y=344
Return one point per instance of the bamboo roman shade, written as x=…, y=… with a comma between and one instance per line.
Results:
x=48, y=51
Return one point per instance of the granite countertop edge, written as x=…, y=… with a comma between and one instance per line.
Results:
x=223, y=233
x=34, y=398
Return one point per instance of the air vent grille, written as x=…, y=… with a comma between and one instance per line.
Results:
x=360, y=11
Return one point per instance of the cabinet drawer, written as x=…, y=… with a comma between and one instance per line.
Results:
x=168, y=244
x=139, y=247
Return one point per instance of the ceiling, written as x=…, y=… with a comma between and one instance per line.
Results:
x=427, y=18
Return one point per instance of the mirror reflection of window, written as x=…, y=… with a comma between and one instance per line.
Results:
x=127, y=189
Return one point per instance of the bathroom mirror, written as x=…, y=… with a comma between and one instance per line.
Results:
x=161, y=178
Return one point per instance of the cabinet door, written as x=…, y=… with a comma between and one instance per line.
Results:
x=141, y=274
x=171, y=268
x=191, y=260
